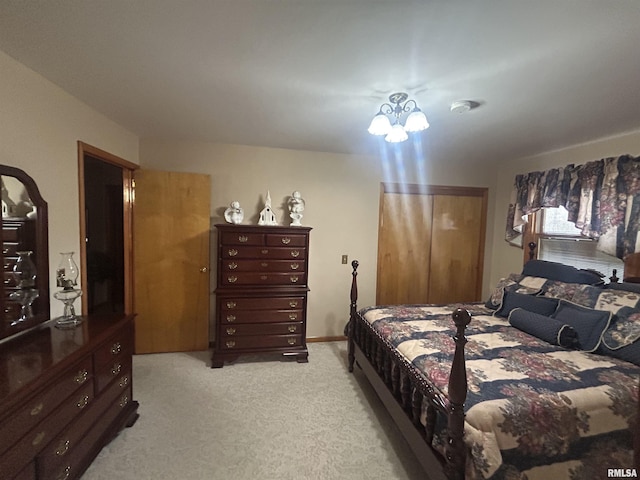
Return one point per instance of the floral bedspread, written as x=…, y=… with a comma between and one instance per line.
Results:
x=533, y=410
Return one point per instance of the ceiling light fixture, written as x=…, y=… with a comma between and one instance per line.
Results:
x=381, y=125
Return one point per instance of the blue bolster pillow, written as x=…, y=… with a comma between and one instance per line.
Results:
x=545, y=328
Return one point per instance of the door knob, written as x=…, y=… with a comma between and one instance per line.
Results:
x=204, y=270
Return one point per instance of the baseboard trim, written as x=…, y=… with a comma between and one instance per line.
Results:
x=326, y=339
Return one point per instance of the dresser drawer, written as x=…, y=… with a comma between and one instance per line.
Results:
x=266, y=278
x=242, y=238
x=260, y=341
x=278, y=240
x=108, y=372
x=61, y=448
x=78, y=458
x=273, y=253
x=266, y=265
x=43, y=404
x=262, y=316
x=10, y=249
x=261, y=303
x=118, y=347
x=37, y=438
x=261, y=329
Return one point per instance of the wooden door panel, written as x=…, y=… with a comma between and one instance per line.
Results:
x=455, y=249
x=404, y=248
x=171, y=249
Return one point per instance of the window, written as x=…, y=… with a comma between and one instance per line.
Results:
x=560, y=241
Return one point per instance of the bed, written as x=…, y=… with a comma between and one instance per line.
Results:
x=540, y=381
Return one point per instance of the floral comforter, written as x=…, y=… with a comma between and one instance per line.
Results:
x=533, y=410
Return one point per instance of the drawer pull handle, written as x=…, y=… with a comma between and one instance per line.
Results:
x=233, y=266
x=232, y=279
x=123, y=401
x=7, y=281
x=231, y=331
x=243, y=239
x=116, y=348
x=5, y=251
x=230, y=344
x=293, y=279
x=37, y=440
x=295, y=253
x=233, y=252
x=286, y=240
x=65, y=473
x=292, y=328
x=84, y=401
x=231, y=318
x=293, y=303
x=264, y=264
x=81, y=377
x=264, y=251
x=291, y=341
x=231, y=305
x=295, y=266
x=37, y=409
x=116, y=368
x=7, y=310
x=124, y=382
x=263, y=277
x=293, y=316
x=63, y=448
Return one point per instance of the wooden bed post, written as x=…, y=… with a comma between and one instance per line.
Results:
x=352, y=313
x=455, y=449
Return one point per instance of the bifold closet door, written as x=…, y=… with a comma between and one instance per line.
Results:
x=430, y=244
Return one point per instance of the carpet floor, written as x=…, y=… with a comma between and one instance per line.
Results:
x=261, y=418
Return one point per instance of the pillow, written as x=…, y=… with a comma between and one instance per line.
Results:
x=626, y=286
x=563, y=290
x=605, y=299
x=588, y=323
x=561, y=272
x=628, y=353
x=541, y=305
x=496, y=296
x=549, y=329
x=624, y=329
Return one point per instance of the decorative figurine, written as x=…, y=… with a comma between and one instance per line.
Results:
x=296, y=207
x=267, y=217
x=234, y=214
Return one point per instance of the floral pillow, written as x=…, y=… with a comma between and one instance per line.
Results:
x=563, y=290
x=624, y=331
x=514, y=283
x=605, y=299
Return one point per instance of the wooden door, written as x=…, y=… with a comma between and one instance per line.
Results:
x=404, y=241
x=430, y=244
x=171, y=258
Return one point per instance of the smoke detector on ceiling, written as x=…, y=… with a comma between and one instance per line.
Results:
x=461, y=106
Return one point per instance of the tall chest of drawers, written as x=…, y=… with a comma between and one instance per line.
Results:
x=261, y=294
x=63, y=395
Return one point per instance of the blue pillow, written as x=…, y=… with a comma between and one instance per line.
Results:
x=542, y=305
x=626, y=286
x=549, y=329
x=628, y=353
x=560, y=272
x=588, y=323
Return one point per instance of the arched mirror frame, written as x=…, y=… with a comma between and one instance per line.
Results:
x=41, y=305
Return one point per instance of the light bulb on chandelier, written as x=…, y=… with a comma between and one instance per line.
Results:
x=381, y=125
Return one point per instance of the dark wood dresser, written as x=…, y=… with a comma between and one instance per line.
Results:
x=261, y=297
x=64, y=394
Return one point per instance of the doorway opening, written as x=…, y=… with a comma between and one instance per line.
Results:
x=105, y=230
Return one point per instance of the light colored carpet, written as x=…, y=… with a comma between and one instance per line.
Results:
x=262, y=419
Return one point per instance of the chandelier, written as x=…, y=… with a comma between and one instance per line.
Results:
x=381, y=125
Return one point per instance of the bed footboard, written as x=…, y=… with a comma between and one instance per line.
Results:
x=404, y=391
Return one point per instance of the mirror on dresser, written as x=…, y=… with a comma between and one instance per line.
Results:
x=24, y=299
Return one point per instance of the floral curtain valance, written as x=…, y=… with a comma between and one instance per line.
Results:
x=602, y=198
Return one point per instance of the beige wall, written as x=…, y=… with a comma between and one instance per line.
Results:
x=40, y=125
x=508, y=259
x=341, y=193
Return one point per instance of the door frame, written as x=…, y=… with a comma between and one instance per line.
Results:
x=128, y=186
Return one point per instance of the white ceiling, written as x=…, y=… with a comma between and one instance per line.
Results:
x=310, y=74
